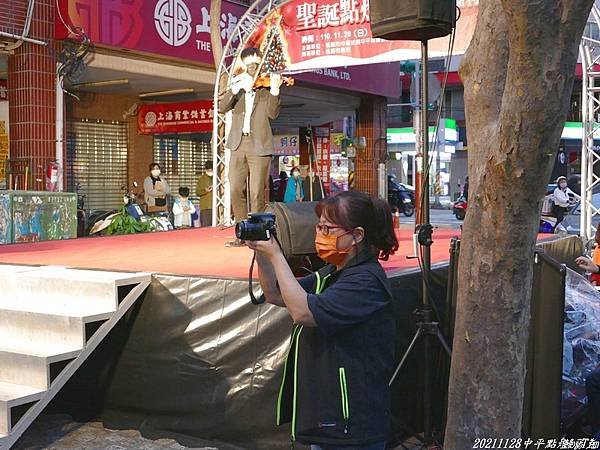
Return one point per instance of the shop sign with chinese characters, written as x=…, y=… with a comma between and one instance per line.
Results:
x=335, y=33
x=188, y=117
x=172, y=28
x=286, y=144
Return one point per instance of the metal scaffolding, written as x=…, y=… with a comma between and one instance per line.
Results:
x=246, y=26
x=589, y=50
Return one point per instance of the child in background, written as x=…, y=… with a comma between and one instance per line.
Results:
x=595, y=277
x=183, y=209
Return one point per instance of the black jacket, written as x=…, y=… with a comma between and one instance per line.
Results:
x=335, y=386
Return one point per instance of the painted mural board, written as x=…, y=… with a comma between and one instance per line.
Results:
x=29, y=216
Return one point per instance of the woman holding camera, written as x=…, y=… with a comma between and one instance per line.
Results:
x=335, y=383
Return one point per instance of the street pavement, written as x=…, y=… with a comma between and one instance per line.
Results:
x=442, y=218
x=59, y=432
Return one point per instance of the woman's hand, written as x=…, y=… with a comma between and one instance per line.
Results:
x=587, y=264
x=268, y=249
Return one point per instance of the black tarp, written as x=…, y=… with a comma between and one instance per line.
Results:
x=195, y=358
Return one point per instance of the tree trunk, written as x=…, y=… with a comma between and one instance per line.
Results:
x=518, y=75
x=215, y=31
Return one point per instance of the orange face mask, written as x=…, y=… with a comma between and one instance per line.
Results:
x=327, y=248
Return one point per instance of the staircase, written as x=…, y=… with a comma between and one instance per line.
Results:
x=51, y=320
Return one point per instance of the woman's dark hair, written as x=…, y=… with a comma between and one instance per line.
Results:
x=283, y=175
x=356, y=209
x=151, y=166
x=184, y=191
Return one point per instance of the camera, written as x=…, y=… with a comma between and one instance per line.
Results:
x=258, y=227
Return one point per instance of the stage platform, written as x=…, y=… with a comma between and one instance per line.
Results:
x=192, y=252
x=194, y=358
x=195, y=337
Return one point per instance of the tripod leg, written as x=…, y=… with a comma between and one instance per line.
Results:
x=442, y=340
x=406, y=353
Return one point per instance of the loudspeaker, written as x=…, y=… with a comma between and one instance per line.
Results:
x=412, y=20
x=295, y=227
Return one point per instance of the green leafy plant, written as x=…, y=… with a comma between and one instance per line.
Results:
x=124, y=223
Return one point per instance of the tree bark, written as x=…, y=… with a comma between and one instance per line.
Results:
x=518, y=75
x=215, y=31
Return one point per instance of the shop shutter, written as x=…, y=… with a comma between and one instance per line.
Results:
x=182, y=160
x=97, y=160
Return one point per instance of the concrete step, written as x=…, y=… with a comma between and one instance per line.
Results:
x=32, y=327
x=72, y=307
x=47, y=316
x=33, y=365
x=11, y=396
x=44, y=288
x=7, y=269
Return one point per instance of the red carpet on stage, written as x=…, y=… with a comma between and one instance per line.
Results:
x=198, y=251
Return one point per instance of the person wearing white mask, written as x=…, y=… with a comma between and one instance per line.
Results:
x=563, y=198
x=204, y=188
x=294, y=191
x=156, y=190
x=250, y=138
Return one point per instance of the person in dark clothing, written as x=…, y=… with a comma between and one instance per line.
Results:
x=283, y=178
x=465, y=192
x=335, y=384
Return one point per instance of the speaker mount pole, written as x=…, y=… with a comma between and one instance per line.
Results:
x=426, y=227
x=427, y=329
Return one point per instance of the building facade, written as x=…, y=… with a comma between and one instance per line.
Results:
x=78, y=76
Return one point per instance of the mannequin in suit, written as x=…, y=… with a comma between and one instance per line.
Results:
x=250, y=138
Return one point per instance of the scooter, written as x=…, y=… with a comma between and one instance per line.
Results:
x=400, y=199
x=459, y=208
x=128, y=219
x=548, y=219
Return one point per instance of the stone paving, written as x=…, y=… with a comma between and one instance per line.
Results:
x=59, y=432
x=54, y=432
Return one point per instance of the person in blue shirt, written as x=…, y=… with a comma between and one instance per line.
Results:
x=335, y=387
x=294, y=191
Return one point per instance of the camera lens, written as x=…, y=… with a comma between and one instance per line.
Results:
x=240, y=230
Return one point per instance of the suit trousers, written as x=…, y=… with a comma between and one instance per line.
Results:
x=244, y=163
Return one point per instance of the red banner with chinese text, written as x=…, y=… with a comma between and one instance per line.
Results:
x=322, y=142
x=187, y=117
x=308, y=35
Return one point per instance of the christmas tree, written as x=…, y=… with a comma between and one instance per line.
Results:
x=275, y=60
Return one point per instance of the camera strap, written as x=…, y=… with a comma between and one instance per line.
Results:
x=260, y=300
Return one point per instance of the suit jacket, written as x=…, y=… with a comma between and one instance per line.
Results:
x=266, y=107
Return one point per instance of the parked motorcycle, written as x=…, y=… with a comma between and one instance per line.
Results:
x=128, y=219
x=400, y=198
x=459, y=208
